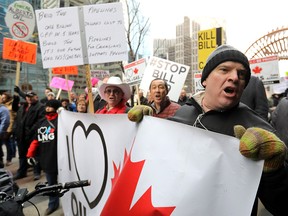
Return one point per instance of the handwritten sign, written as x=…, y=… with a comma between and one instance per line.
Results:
x=69, y=70
x=20, y=51
x=173, y=73
x=100, y=74
x=105, y=33
x=61, y=83
x=65, y=40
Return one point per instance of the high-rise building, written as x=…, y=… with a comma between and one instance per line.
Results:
x=183, y=49
x=161, y=48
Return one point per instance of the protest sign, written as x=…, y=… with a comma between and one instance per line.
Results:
x=60, y=83
x=100, y=74
x=266, y=69
x=157, y=166
x=68, y=70
x=20, y=19
x=20, y=51
x=88, y=34
x=173, y=73
x=134, y=71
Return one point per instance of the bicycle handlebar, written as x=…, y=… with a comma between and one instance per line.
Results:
x=75, y=184
x=58, y=189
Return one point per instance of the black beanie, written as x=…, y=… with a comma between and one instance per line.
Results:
x=222, y=54
x=53, y=103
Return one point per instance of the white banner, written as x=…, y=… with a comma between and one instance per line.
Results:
x=158, y=165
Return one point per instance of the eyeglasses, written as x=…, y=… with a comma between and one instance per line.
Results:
x=113, y=91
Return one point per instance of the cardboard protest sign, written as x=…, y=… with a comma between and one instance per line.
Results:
x=88, y=34
x=173, y=73
x=20, y=51
x=61, y=83
x=68, y=70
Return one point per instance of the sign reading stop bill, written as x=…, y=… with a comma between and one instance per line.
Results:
x=20, y=18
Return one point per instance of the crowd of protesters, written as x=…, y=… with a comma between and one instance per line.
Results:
x=19, y=120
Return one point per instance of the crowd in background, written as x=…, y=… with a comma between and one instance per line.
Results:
x=253, y=96
x=111, y=96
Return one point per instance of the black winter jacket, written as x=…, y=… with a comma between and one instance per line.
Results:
x=25, y=125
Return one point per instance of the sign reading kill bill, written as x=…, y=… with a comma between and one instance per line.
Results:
x=208, y=41
x=267, y=69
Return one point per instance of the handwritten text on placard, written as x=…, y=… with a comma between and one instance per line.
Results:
x=59, y=36
x=66, y=41
x=20, y=51
x=105, y=32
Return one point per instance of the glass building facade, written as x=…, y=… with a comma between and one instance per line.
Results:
x=32, y=76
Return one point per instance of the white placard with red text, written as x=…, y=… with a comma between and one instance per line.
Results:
x=267, y=69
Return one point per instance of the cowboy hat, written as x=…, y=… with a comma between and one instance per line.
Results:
x=117, y=82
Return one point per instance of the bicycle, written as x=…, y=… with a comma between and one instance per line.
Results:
x=11, y=205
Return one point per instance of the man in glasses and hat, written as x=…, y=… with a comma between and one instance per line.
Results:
x=116, y=94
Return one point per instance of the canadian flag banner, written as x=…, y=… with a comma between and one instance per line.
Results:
x=156, y=167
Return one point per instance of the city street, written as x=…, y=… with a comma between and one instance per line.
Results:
x=40, y=202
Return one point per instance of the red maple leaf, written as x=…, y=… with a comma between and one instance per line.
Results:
x=122, y=192
x=257, y=70
x=135, y=71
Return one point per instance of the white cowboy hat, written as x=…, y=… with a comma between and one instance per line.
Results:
x=116, y=81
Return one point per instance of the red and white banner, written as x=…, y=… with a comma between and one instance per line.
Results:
x=155, y=166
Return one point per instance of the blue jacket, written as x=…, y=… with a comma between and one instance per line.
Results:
x=4, y=119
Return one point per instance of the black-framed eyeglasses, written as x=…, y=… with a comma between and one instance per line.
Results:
x=113, y=91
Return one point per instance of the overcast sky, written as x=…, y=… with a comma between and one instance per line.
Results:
x=246, y=20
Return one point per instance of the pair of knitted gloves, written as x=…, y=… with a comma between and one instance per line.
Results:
x=255, y=143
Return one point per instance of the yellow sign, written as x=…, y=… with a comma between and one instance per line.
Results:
x=208, y=41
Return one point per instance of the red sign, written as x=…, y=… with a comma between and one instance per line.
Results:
x=20, y=51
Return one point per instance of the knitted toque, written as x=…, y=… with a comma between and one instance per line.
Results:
x=53, y=103
x=222, y=54
x=259, y=144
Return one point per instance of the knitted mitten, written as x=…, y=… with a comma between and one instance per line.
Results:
x=137, y=112
x=260, y=144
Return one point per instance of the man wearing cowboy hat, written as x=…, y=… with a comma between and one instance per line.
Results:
x=116, y=94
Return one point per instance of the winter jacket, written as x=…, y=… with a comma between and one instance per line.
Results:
x=167, y=108
x=254, y=96
x=279, y=119
x=25, y=125
x=12, y=114
x=4, y=119
x=45, y=144
x=118, y=109
x=273, y=188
